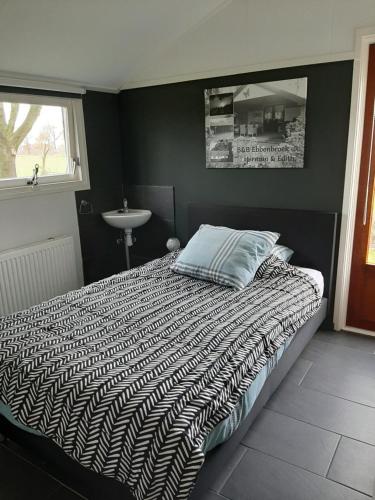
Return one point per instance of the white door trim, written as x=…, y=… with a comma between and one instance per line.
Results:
x=364, y=38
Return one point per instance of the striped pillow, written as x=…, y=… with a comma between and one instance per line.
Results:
x=225, y=256
x=282, y=252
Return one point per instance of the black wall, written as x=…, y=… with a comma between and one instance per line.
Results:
x=156, y=136
x=163, y=138
x=102, y=256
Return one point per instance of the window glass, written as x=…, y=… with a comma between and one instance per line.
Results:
x=33, y=134
x=279, y=112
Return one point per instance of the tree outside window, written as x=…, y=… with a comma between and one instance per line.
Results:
x=30, y=134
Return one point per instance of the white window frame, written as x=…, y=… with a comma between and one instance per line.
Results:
x=76, y=181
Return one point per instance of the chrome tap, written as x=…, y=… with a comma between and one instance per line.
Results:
x=125, y=201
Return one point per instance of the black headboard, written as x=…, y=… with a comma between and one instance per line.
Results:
x=312, y=235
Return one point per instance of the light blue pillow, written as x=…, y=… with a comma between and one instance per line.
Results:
x=282, y=252
x=225, y=256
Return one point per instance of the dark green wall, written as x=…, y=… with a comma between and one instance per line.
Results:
x=100, y=253
x=163, y=138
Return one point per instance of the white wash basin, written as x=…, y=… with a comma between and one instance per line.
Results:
x=134, y=217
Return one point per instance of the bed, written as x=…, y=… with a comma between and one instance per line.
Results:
x=208, y=420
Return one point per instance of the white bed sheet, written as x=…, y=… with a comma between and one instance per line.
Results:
x=316, y=275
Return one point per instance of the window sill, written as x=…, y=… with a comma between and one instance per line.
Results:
x=40, y=189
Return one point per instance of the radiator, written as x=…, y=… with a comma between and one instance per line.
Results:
x=31, y=274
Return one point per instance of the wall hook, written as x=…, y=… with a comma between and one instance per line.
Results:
x=85, y=207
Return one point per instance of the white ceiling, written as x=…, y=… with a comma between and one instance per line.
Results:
x=114, y=44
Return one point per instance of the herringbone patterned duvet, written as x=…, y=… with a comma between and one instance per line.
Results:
x=128, y=375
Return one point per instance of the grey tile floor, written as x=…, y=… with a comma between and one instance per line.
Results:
x=314, y=440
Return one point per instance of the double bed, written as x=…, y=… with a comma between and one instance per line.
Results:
x=148, y=375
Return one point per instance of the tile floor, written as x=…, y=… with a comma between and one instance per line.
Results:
x=314, y=440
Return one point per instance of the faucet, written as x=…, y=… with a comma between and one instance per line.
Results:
x=125, y=201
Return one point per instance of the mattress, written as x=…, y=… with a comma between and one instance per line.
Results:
x=228, y=426
x=223, y=429
x=316, y=275
x=131, y=374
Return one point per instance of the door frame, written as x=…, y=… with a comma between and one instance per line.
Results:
x=363, y=38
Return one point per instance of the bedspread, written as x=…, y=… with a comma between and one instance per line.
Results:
x=128, y=375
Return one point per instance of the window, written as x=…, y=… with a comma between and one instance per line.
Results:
x=279, y=112
x=42, y=145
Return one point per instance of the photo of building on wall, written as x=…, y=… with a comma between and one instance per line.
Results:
x=258, y=125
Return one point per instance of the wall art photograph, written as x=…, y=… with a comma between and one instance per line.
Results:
x=259, y=125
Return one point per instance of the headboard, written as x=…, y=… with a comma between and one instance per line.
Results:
x=312, y=235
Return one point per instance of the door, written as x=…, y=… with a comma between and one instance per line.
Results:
x=361, y=304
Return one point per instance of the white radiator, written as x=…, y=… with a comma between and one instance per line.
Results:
x=32, y=274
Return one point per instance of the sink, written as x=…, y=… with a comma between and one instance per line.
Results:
x=134, y=217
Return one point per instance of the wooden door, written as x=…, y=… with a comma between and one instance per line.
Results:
x=361, y=305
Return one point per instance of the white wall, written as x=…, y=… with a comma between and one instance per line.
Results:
x=36, y=218
x=146, y=41
x=245, y=34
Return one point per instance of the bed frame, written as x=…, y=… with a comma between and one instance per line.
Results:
x=312, y=235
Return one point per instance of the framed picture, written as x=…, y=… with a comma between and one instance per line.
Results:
x=259, y=125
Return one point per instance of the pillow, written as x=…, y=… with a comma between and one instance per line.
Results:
x=282, y=253
x=225, y=256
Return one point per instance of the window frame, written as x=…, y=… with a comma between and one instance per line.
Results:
x=77, y=149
